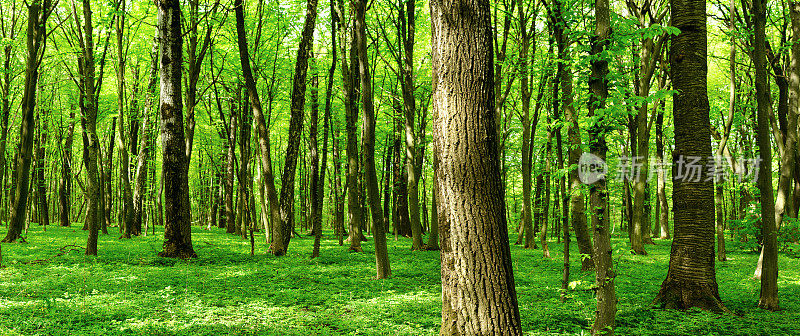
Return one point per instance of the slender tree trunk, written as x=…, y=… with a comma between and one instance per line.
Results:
x=527, y=137
x=65, y=184
x=122, y=142
x=38, y=12
x=373, y=192
x=286, y=224
x=407, y=30
x=261, y=124
x=354, y=210
x=576, y=196
x=230, y=177
x=42, y=209
x=605, y=276
x=661, y=191
x=769, y=232
x=145, y=145
x=471, y=204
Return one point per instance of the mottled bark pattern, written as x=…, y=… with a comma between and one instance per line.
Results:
x=175, y=168
x=478, y=292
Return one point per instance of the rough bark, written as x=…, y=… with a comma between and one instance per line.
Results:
x=478, y=292
x=38, y=13
x=605, y=276
x=769, y=254
x=691, y=278
x=175, y=167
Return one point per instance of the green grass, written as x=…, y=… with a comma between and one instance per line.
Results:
x=128, y=290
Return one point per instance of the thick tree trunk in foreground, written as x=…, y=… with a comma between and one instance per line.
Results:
x=175, y=168
x=691, y=279
x=769, y=232
x=478, y=292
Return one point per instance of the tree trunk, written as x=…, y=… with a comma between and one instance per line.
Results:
x=661, y=191
x=122, y=140
x=349, y=76
x=283, y=234
x=769, y=232
x=38, y=12
x=471, y=204
x=368, y=120
x=605, y=276
x=145, y=145
x=527, y=128
x=65, y=184
x=576, y=196
x=230, y=177
x=691, y=278
x=261, y=124
x=175, y=168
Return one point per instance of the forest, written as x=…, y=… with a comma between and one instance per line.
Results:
x=400, y=167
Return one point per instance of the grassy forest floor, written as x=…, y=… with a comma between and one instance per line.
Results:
x=129, y=290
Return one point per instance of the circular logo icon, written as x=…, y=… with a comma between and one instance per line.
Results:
x=591, y=168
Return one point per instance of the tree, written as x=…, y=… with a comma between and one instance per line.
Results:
x=175, y=166
x=575, y=191
x=769, y=231
x=38, y=13
x=471, y=208
x=691, y=279
x=373, y=194
x=286, y=225
x=605, y=276
x=145, y=143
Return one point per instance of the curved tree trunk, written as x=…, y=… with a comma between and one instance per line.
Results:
x=576, y=196
x=38, y=12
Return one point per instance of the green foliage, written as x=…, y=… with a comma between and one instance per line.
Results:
x=127, y=290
